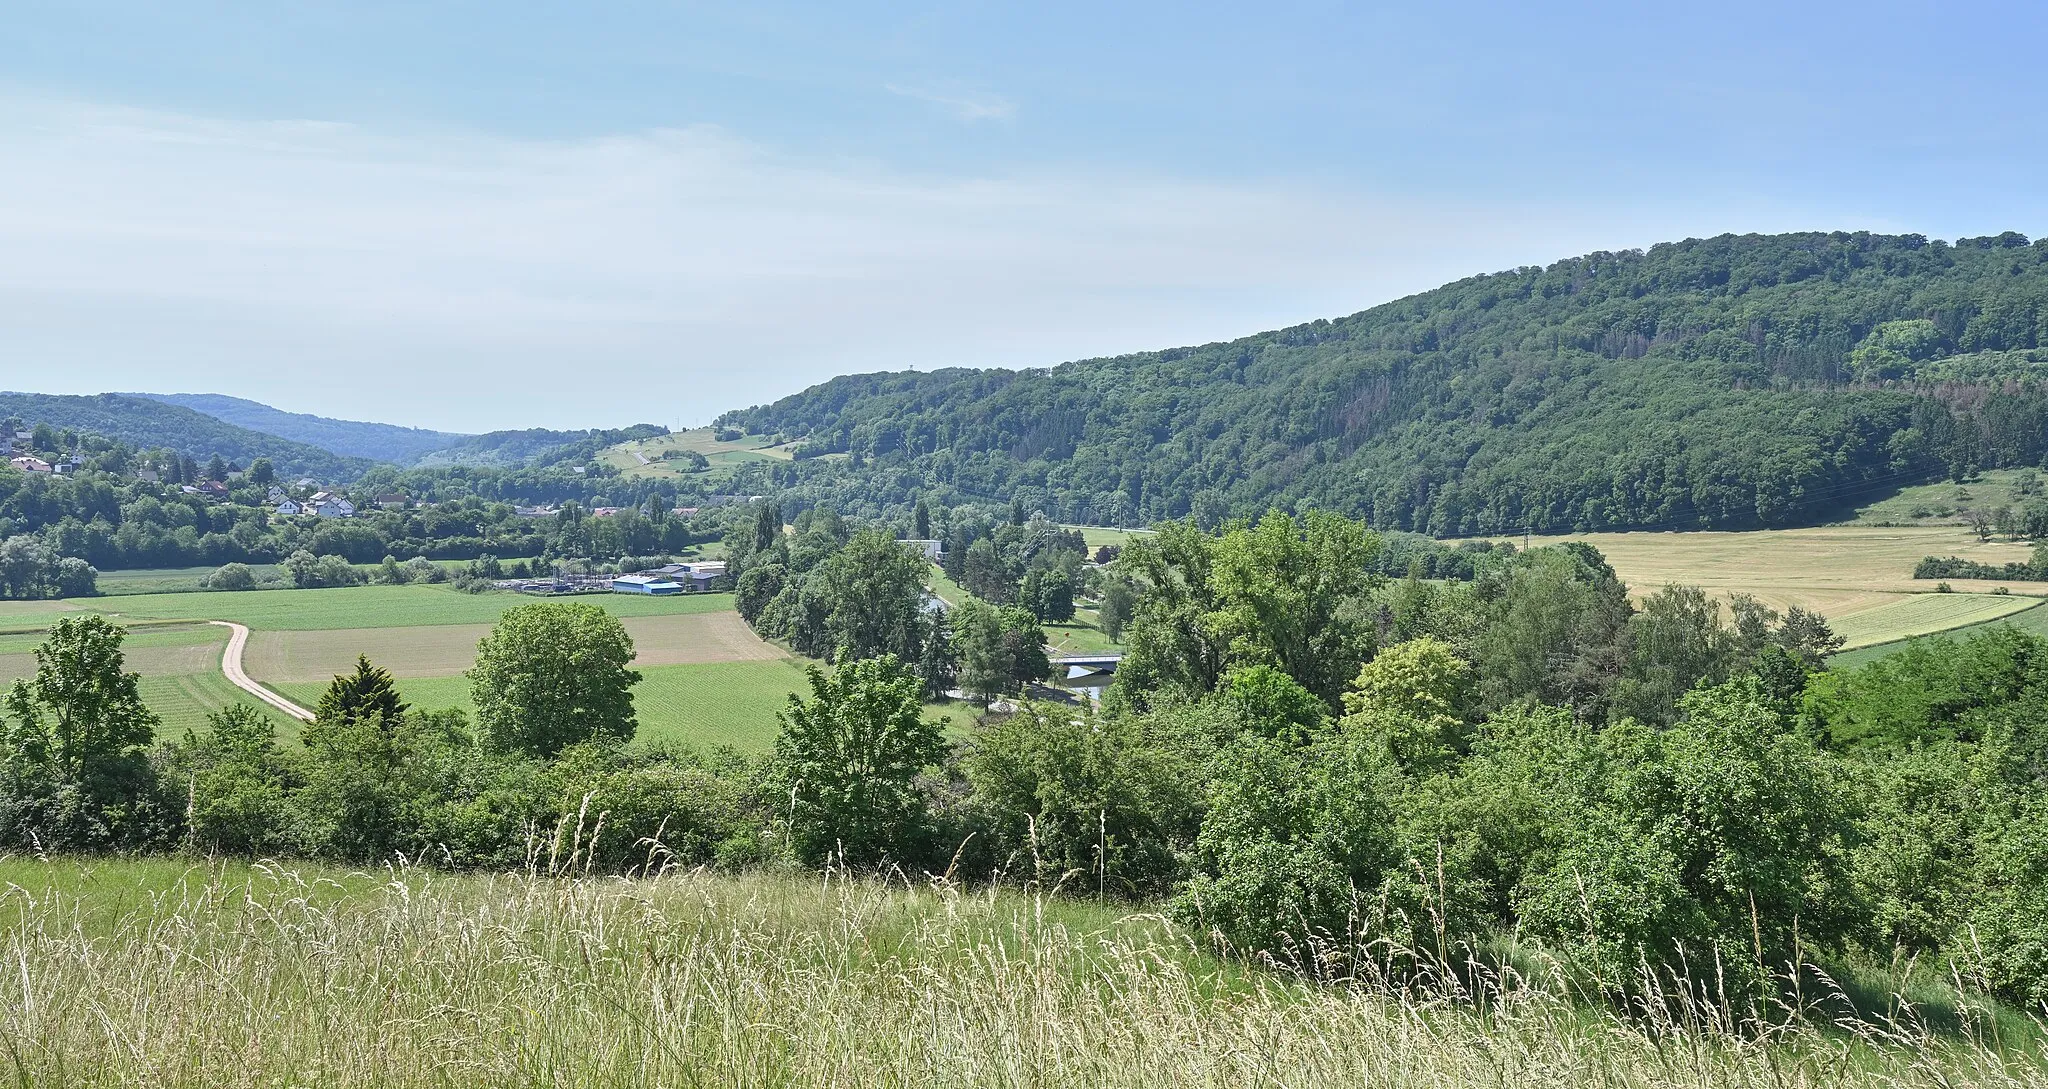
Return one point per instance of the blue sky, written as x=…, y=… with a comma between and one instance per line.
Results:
x=495, y=215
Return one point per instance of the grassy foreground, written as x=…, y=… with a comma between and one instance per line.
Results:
x=160, y=974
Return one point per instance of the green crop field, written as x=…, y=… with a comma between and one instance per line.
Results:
x=1922, y=614
x=714, y=703
x=179, y=665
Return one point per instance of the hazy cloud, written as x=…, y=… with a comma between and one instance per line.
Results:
x=453, y=279
x=967, y=106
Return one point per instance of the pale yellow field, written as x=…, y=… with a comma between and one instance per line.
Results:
x=287, y=657
x=1836, y=571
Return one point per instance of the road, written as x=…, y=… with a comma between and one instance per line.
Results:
x=231, y=667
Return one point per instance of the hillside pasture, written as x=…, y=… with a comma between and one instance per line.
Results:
x=645, y=457
x=1950, y=503
x=175, y=973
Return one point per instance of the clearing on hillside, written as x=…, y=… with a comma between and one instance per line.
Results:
x=1950, y=504
x=649, y=457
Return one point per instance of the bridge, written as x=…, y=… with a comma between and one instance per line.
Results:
x=1087, y=665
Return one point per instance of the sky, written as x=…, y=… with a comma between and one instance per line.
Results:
x=473, y=216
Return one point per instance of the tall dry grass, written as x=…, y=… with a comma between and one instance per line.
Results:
x=144, y=974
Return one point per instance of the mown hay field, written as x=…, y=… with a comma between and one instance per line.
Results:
x=168, y=975
x=442, y=649
x=1833, y=570
x=1921, y=614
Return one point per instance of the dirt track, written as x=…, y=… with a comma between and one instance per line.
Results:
x=231, y=667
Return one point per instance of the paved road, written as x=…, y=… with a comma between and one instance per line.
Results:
x=231, y=667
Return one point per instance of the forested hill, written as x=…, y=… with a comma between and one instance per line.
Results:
x=351, y=438
x=1727, y=382
x=147, y=424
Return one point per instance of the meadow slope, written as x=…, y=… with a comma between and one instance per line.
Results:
x=173, y=975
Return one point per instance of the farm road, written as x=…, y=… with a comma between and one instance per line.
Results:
x=231, y=667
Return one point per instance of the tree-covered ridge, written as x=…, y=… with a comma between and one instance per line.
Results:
x=1727, y=382
x=148, y=424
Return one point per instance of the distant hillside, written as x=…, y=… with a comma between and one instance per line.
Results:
x=149, y=424
x=375, y=441
x=1728, y=382
x=535, y=446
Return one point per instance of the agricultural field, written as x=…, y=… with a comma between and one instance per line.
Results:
x=363, y=606
x=2032, y=620
x=1832, y=570
x=1922, y=614
x=179, y=665
x=714, y=703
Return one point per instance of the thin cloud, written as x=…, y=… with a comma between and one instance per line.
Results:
x=964, y=106
x=461, y=280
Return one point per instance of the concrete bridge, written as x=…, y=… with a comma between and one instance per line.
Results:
x=1088, y=665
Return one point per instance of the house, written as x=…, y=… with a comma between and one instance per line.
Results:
x=645, y=584
x=604, y=512
x=321, y=496
x=277, y=494
x=931, y=550
x=334, y=508
x=213, y=488
x=390, y=501
x=290, y=507
x=31, y=464
x=148, y=476
x=534, y=512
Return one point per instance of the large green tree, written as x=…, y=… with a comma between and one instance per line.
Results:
x=74, y=750
x=552, y=674
x=848, y=760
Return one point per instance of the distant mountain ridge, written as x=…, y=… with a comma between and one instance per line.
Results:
x=152, y=424
x=349, y=438
x=391, y=444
